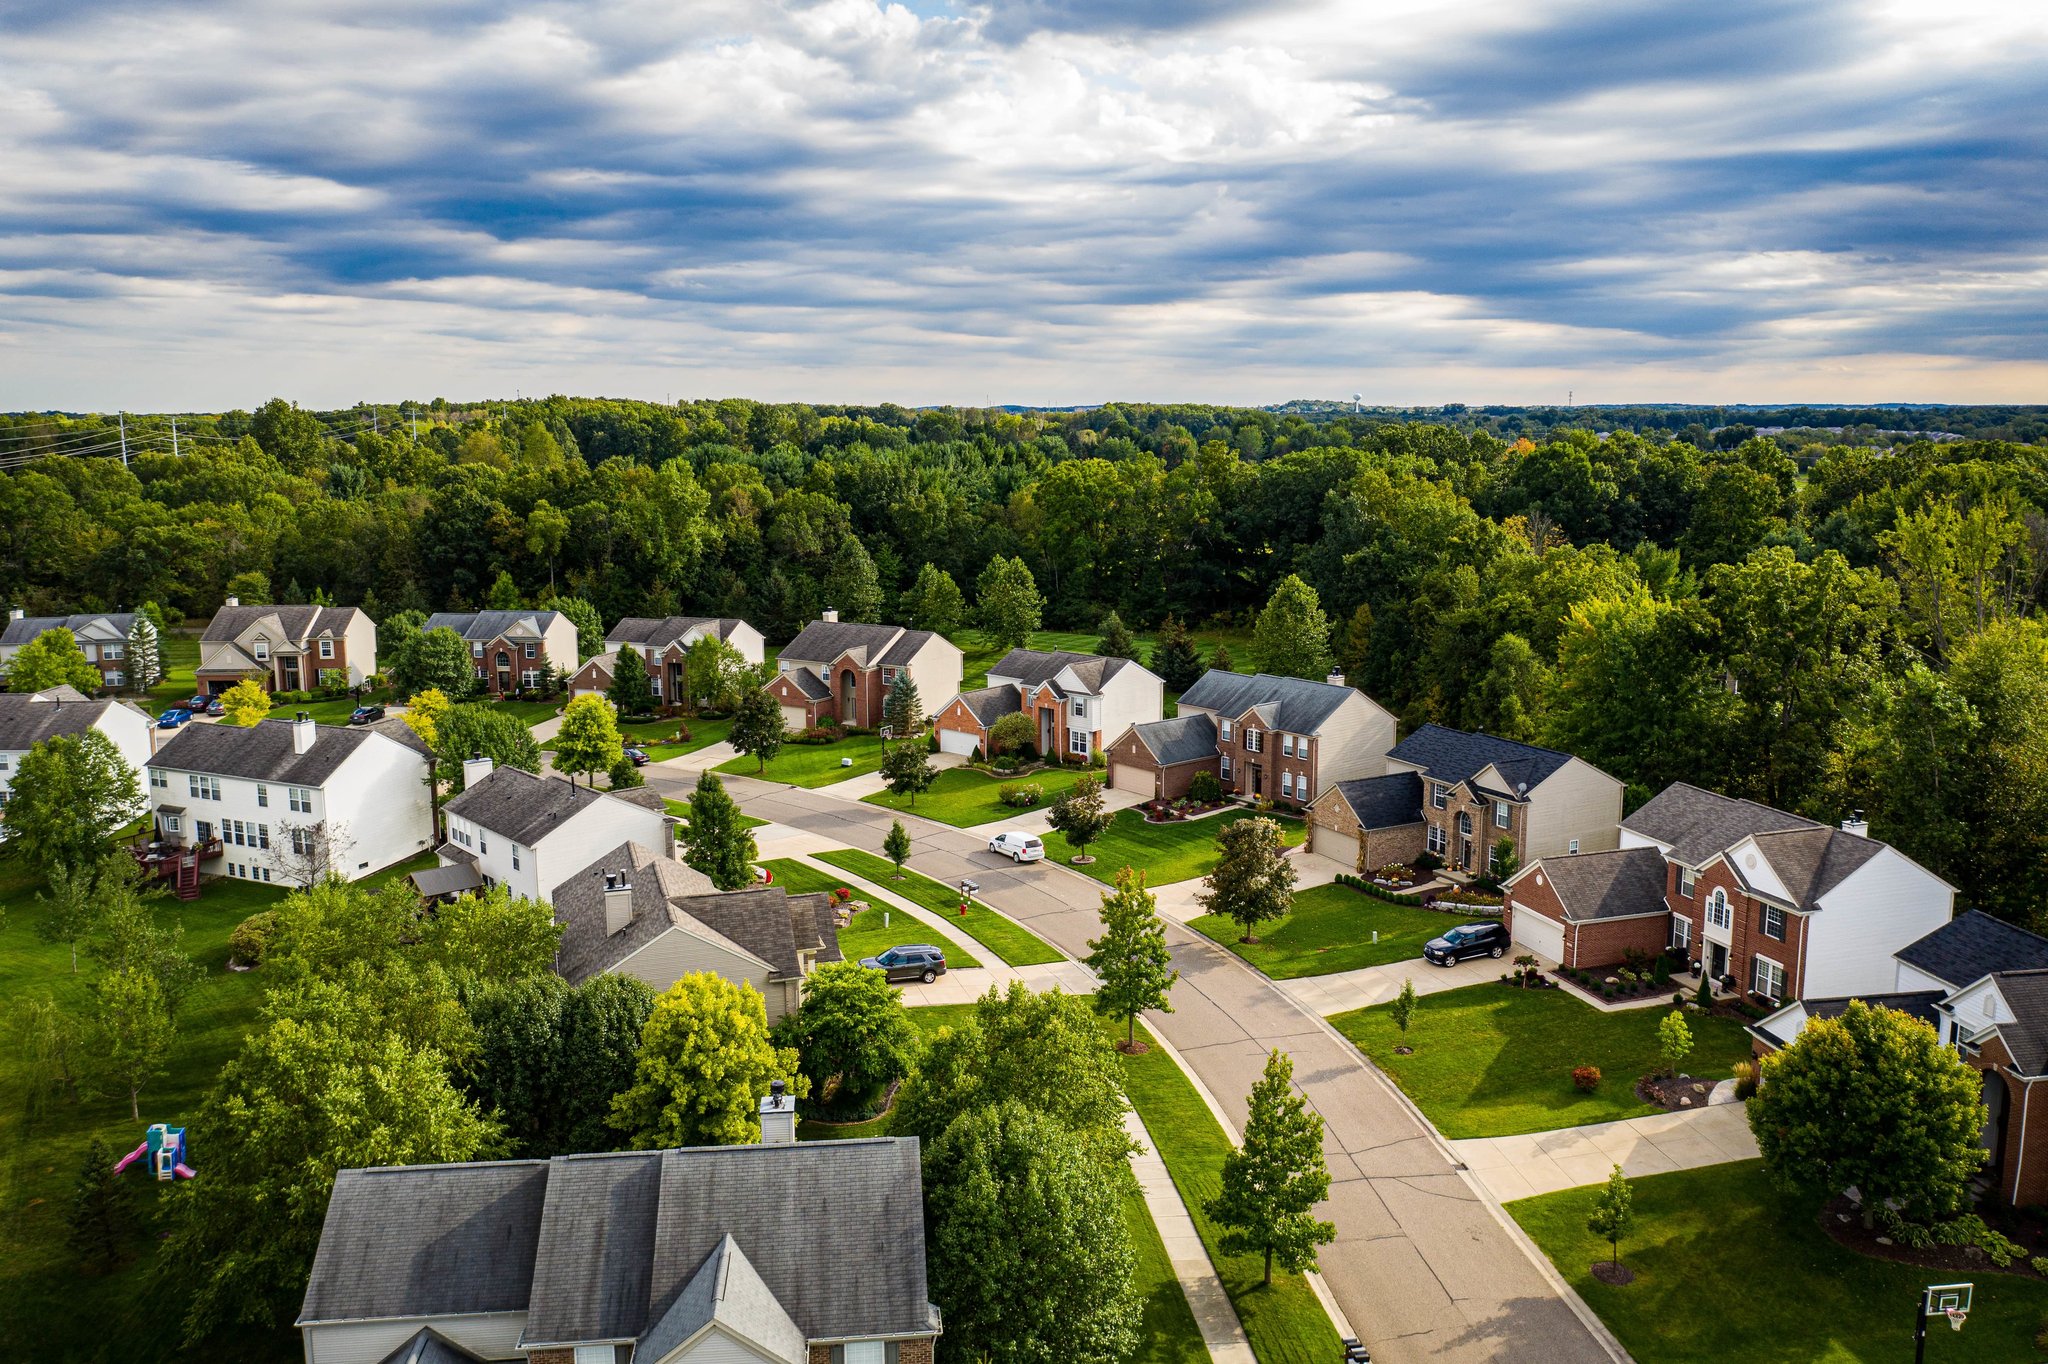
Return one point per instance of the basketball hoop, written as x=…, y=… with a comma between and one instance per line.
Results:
x=1956, y=1316
x=1950, y=1300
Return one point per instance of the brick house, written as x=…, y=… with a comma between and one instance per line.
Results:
x=777, y=1252
x=1456, y=794
x=512, y=651
x=664, y=645
x=1075, y=701
x=1285, y=738
x=102, y=636
x=844, y=669
x=290, y=648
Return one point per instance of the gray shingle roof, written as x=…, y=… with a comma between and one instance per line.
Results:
x=2026, y=1035
x=1812, y=862
x=1915, y=1004
x=1183, y=739
x=489, y=625
x=1384, y=802
x=662, y=631
x=727, y=1291
x=1696, y=824
x=1033, y=667
x=297, y=623
x=1971, y=946
x=22, y=631
x=263, y=752
x=28, y=718
x=427, y=1240
x=1455, y=755
x=807, y=682
x=1293, y=705
x=1606, y=885
x=428, y=1346
x=990, y=704
x=520, y=806
x=823, y=641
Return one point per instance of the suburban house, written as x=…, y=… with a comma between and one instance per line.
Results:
x=291, y=801
x=1074, y=701
x=1456, y=795
x=639, y=913
x=781, y=1252
x=512, y=650
x=290, y=648
x=31, y=717
x=1286, y=738
x=102, y=637
x=664, y=644
x=1770, y=904
x=530, y=834
x=844, y=669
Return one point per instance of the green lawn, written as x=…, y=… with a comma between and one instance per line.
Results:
x=681, y=810
x=1285, y=1323
x=1330, y=929
x=1008, y=939
x=812, y=764
x=979, y=652
x=530, y=712
x=179, y=655
x=1164, y=852
x=1728, y=1268
x=651, y=735
x=867, y=935
x=964, y=797
x=1491, y=1061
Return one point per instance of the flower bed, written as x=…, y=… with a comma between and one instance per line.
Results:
x=1619, y=984
x=1172, y=811
x=1463, y=902
x=1397, y=876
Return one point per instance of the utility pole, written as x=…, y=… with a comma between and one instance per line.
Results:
x=124, y=440
x=174, y=438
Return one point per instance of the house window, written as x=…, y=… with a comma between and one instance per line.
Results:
x=1077, y=741
x=1287, y=784
x=1774, y=922
x=476, y=649
x=1439, y=795
x=326, y=648
x=171, y=824
x=262, y=795
x=1767, y=978
x=483, y=841
x=533, y=651
x=1681, y=933
x=117, y=678
x=866, y=1352
x=1254, y=741
x=302, y=842
x=202, y=788
x=888, y=676
x=531, y=678
x=1686, y=878
x=1081, y=705
x=111, y=653
x=300, y=799
x=1717, y=909
x=262, y=650
x=515, y=857
x=1226, y=731
x=157, y=780
x=1572, y=848
x=596, y=1354
x=1438, y=839
x=201, y=830
x=1226, y=764
x=504, y=659
x=1287, y=745
x=1502, y=814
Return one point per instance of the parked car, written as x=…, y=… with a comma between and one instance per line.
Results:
x=1018, y=846
x=637, y=756
x=363, y=715
x=915, y=961
x=1467, y=940
x=215, y=708
x=198, y=701
x=172, y=718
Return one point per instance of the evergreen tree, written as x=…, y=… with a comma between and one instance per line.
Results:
x=1272, y=1183
x=714, y=841
x=630, y=692
x=933, y=602
x=1131, y=959
x=851, y=585
x=1292, y=638
x=897, y=846
x=100, y=1223
x=588, y=741
x=145, y=656
x=624, y=775
x=1008, y=602
x=1116, y=641
x=1253, y=881
x=1614, y=1212
x=908, y=770
x=756, y=727
x=903, y=708
x=1221, y=660
x=1174, y=658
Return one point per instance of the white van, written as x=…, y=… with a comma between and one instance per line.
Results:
x=1018, y=846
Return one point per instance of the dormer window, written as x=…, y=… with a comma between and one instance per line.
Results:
x=1080, y=706
x=262, y=650
x=326, y=648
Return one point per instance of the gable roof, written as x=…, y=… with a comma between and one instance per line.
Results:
x=2025, y=1034
x=1972, y=946
x=1918, y=1004
x=727, y=1291
x=489, y=625
x=990, y=704
x=1033, y=667
x=521, y=806
x=27, y=718
x=666, y=630
x=805, y=681
x=1604, y=885
x=1384, y=802
x=1291, y=704
x=824, y=641
x=1811, y=862
x=428, y=1346
x=1183, y=739
x=295, y=624
x=1456, y=755
x=1695, y=824
x=84, y=625
x=263, y=751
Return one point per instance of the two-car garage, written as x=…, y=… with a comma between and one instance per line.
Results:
x=1534, y=933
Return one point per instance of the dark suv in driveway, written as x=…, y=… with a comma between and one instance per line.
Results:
x=918, y=961
x=1467, y=940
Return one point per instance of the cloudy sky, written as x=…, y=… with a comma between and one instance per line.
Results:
x=207, y=203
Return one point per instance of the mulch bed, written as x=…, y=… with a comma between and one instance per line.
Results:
x=1156, y=813
x=1615, y=1276
x=888, y=1102
x=1669, y=1092
x=1842, y=1220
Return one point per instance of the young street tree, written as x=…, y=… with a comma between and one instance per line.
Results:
x=897, y=846
x=1174, y=658
x=1116, y=640
x=1674, y=1041
x=714, y=841
x=1081, y=817
x=705, y=1061
x=852, y=1037
x=1292, y=638
x=1871, y=1100
x=145, y=654
x=133, y=1035
x=1402, y=1010
x=1253, y=882
x=588, y=741
x=1614, y=1212
x=52, y=659
x=69, y=795
x=908, y=770
x=245, y=704
x=756, y=728
x=1008, y=602
x=1131, y=958
x=630, y=693
x=903, y=708
x=934, y=602
x=1272, y=1183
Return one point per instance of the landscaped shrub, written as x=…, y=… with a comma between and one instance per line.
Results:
x=1100, y=759
x=1429, y=862
x=251, y=937
x=1027, y=752
x=931, y=742
x=1586, y=1079
x=1607, y=992
x=1005, y=763
x=974, y=757
x=2039, y=1264
x=1745, y=1079
x=1020, y=795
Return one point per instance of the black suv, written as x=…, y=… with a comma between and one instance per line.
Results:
x=1467, y=940
x=918, y=961
x=363, y=715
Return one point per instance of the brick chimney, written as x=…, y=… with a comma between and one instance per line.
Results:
x=474, y=769
x=778, y=1116
x=618, y=901
x=304, y=731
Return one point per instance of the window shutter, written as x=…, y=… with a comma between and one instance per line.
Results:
x=894, y=1353
x=838, y=1354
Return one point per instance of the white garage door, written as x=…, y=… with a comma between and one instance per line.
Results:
x=1544, y=937
x=1332, y=843
x=959, y=741
x=1139, y=781
x=793, y=717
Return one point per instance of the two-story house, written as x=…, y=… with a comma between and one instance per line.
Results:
x=1288, y=739
x=101, y=636
x=639, y=913
x=1077, y=702
x=512, y=650
x=781, y=1252
x=1769, y=904
x=292, y=801
x=290, y=648
x=530, y=834
x=1456, y=795
x=844, y=669
x=34, y=717
x=664, y=644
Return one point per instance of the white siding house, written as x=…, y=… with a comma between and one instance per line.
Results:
x=530, y=833
x=30, y=718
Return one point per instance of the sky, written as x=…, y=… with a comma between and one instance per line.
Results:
x=209, y=203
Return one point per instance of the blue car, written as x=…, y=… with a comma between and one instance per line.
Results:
x=172, y=718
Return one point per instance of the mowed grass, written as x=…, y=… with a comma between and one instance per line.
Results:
x=681, y=810
x=1491, y=1061
x=49, y=1310
x=867, y=935
x=979, y=653
x=1729, y=1268
x=1004, y=936
x=1331, y=929
x=963, y=797
x=812, y=765
x=1164, y=852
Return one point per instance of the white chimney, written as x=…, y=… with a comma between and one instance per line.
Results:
x=778, y=1116
x=232, y=601
x=1335, y=679
x=303, y=730
x=668, y=837
x=15, y=613
x=618, y=901
x=474, y=769
x=830, y=616
x=1856, y=824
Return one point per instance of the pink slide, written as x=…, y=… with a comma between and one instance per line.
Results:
x=133, y=1156
x=183, y=1170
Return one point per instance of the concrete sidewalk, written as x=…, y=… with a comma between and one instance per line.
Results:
x=1221, y=1331
x=1342, y=991
x=1544, y=1162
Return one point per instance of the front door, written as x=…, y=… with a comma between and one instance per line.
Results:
x=849, y=698
x=1045, y=734
x=291, y=674
x=1717, y=960
x=1258, y=779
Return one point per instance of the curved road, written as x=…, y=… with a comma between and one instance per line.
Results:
x=1426, y=1267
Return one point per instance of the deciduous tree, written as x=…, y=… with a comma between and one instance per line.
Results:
x=1253, y=882
x=897, y=846
x=756, y=727
x=69, y=795
x=52, y=659
x=132, y=1034
x=717, y=675
x=1272, y=1183
x=908, y=770
x=246, y=704
x=588, y=741
x=1130, y=960
x=934, y=602
x=1080, y=817
x=705, y=1061
x=1292, y=638
x=438, y=659
x=851, y=1035
x=851, y=585
x=1614, y=1213
x=1007, y=601
x=1010, y=733
x=493, y=935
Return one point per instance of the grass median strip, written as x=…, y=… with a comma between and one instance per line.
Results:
x=1008, y=939
x=868, y=935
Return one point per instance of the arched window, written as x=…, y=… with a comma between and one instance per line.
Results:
x=1717, y=909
